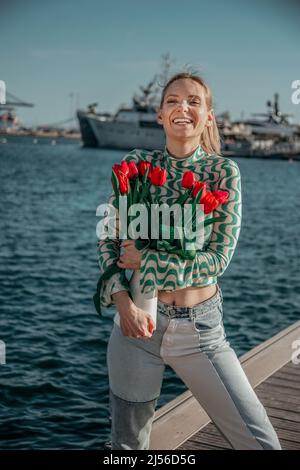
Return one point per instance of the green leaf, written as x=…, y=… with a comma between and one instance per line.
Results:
x=150, y=197
x=115, y=184
x=194, y=203
x=140, y=244
x=135, y=189
x=184, y=196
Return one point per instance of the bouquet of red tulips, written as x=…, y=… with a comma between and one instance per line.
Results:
x=134, y=182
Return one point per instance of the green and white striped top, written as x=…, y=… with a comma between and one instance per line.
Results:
x=167, y=271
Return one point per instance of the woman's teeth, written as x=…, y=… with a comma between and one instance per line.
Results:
x=182, y=121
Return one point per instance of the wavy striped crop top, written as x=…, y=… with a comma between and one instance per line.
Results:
x=167, y=271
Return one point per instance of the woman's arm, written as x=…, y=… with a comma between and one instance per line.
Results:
x=170, y=271
x=109, y=252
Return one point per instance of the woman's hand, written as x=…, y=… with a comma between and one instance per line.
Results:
x=134, y=322
x=131, y=258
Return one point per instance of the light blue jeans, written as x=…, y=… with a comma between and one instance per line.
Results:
x=192, y=341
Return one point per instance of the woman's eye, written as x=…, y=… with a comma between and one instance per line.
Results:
x=193, y=102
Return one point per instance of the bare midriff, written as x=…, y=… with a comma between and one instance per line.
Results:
x=187, y=297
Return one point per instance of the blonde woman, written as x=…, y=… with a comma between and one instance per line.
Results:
x=189, y=336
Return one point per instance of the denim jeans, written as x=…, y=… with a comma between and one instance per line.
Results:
x=192, y=341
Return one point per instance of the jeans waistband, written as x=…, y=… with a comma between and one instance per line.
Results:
x=176, y=311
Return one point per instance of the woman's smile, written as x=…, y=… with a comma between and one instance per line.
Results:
x=182, y=122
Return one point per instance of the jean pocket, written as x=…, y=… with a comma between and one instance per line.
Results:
x=209, y=319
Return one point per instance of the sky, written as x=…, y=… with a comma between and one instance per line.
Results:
x=68, y=53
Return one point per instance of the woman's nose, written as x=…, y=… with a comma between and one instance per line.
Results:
x=184, y=104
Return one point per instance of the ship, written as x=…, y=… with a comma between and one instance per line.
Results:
x=88, y=136
x=130, y=127
x=8, y=120
x=266, y=135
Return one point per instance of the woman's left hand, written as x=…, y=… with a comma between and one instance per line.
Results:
x=131, y=258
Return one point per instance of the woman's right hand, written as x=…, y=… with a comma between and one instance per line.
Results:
x=135, y=322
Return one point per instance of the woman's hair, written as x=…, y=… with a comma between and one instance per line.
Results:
x=210, y=138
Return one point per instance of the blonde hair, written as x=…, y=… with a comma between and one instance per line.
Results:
x=210, y=138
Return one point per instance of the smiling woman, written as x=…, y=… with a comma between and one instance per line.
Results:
x=190, y=335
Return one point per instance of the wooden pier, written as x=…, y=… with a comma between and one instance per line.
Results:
x=183, y=424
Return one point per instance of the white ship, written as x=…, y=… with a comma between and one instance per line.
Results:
x=9, y=121
x=130, y=127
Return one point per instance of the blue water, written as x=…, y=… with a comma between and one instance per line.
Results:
x=54, y=385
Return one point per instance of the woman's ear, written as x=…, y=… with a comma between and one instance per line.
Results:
x=210, y=117
x=159, y=117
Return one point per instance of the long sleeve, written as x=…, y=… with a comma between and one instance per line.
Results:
x=170, y=272
x=109, y=252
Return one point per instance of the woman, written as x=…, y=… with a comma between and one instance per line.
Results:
x=189, y=336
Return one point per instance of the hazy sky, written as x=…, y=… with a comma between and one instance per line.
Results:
x=102, y=51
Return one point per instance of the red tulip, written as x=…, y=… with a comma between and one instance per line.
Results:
x=188, y=180
x=158, y=176
x=116, y=168
x=221, y=196
x=133, y=170
x=122, y=168
x=199, y=185
x=143, y=167
x=123, y=183
x=210, y=202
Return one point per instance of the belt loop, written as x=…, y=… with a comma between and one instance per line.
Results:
x=192, y=315
x=169, y=308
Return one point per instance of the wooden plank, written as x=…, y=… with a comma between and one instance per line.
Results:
x=281, y=405
x=284, y=415
x=210, y=439
x=283, y=391
x=186, y=417
x=291, y=368
x=277, y=399
x=285, y=383
x=190, y=445
x=285, y=375
x=280, y=423
x=289, y=435
x=289, y=445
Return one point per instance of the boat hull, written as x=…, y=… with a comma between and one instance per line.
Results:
x=87, y=135
x=126, y=135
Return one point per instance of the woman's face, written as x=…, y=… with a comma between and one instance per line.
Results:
x=184, y=112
